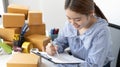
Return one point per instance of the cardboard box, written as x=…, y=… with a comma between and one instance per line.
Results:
x=24, y=60
x=36, y=29
x=18, y=9
x=13, y=20
x=38, y=41
x=34, y=17
x=8, y=33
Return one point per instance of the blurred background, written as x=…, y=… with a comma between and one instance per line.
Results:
x=54, y=14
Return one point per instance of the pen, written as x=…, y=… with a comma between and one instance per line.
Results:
x=53, y=45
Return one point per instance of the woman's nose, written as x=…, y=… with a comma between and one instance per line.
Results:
x=72, y=22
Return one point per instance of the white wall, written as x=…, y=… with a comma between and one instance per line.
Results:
x=1, y=7
x=32, y=4
x=111, y=10
x=54, y=14
x=53, y=10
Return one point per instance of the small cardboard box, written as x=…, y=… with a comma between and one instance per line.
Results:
x=36, y=29
x=34, y=17
x=38, y=41
x=24, y=60
x=18, y=9
x=8, y=33
x=13, y=20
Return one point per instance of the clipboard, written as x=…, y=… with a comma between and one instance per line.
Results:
x=63, y=58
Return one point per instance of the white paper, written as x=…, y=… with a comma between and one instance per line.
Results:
x=63, y=58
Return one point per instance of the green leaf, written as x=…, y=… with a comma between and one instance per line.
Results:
x=6, y=47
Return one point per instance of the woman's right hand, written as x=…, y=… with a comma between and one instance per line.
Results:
x=51, y=49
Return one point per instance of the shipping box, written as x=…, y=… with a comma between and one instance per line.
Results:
x=34, y=17
x=13, y=20
x=38, y=41
x=24, y=60
x=8, y=33
x=36, y=29
x=18, y=9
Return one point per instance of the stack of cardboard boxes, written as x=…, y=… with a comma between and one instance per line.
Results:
x=36, y=33
x=13, y=21
x=15, y=18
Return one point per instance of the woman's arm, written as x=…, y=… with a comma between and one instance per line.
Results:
x=61, y=41
x=98, y=51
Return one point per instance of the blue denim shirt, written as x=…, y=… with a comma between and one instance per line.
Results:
x=93, y=46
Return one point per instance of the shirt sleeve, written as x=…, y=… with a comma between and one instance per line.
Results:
x=61, y=41
x=98, y=51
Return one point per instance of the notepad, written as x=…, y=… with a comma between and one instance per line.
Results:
x=63, y=58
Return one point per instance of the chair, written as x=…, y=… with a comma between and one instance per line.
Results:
x=115, y=34
x=118, y=60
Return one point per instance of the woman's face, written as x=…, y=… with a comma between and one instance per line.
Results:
x=76, y=19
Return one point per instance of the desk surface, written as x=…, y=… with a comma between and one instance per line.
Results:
x=5, y=58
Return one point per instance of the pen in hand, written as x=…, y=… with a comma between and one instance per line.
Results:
x=55, y=48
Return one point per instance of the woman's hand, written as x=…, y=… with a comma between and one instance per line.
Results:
x=51, y=49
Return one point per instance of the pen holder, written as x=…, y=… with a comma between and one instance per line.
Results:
x=21, y=40
x=53, y=36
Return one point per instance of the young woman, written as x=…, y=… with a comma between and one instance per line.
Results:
x=86, y=33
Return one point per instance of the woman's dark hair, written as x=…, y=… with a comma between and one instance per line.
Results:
x=99, y=12
x=84, y=7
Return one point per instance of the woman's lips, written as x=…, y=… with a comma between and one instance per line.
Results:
x=77, y=26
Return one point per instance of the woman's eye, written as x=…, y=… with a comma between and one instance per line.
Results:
x=69, y=18
x=77, y=20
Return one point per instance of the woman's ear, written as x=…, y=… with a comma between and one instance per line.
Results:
x=92, y=13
